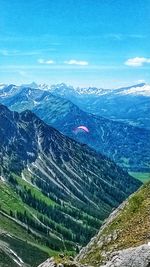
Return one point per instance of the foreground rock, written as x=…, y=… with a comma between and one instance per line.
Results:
x=52, y=263
x=65, y=263
x=132, y=257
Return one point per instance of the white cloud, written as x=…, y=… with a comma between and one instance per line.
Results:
x=137, y=61
x=42, y=61
x=76, y=62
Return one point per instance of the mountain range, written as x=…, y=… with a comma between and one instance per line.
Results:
x=55, y=192
x=127, y=104
x=125, y=144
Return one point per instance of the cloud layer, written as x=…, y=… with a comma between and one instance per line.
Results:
x=76, y=62
x=67, y=62
x=137, y=61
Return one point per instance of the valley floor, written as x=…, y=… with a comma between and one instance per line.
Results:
x=142, y=176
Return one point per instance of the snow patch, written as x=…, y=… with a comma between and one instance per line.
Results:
x=24, y=178
x=17, y=259
x=35, y=103
x=2, y=86
x=2, y=178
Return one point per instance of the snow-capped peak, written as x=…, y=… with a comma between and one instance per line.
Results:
x=34, y=85
x=43, y=86
x=2, y=85
x=90, y=91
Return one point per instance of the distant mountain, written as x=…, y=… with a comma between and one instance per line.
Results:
x=128, y=104
x=34, y=85
x=128, y=146
x=55, y=192
x=138, y=89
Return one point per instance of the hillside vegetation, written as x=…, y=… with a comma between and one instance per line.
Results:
x=127, y=227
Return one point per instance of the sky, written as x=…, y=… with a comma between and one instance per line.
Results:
x=103, y=43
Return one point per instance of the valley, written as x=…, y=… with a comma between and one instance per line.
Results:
x=143, y=177
x=123, y=240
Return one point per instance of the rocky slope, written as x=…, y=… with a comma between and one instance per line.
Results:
x=128, y=146
x=123, y=240
x=55, y=192
x=131, y=257
x=127, y=227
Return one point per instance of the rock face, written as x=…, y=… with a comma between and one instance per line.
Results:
x=132, y=257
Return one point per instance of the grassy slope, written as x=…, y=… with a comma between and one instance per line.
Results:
x=32, y=241
x=29, y=242
x=130, y=228
x=35, y=191
x=27, y=251
x=6, y=261
x=25, y=245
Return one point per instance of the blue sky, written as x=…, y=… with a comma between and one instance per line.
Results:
x=104, y=43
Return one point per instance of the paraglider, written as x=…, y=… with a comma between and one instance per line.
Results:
x=81, y=129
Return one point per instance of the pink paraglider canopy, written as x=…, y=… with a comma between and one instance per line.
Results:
x=84, y=128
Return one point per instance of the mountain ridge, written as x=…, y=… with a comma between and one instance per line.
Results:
x=106, y=136
x=47, y=178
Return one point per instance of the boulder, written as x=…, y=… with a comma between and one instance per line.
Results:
x=132, y=257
